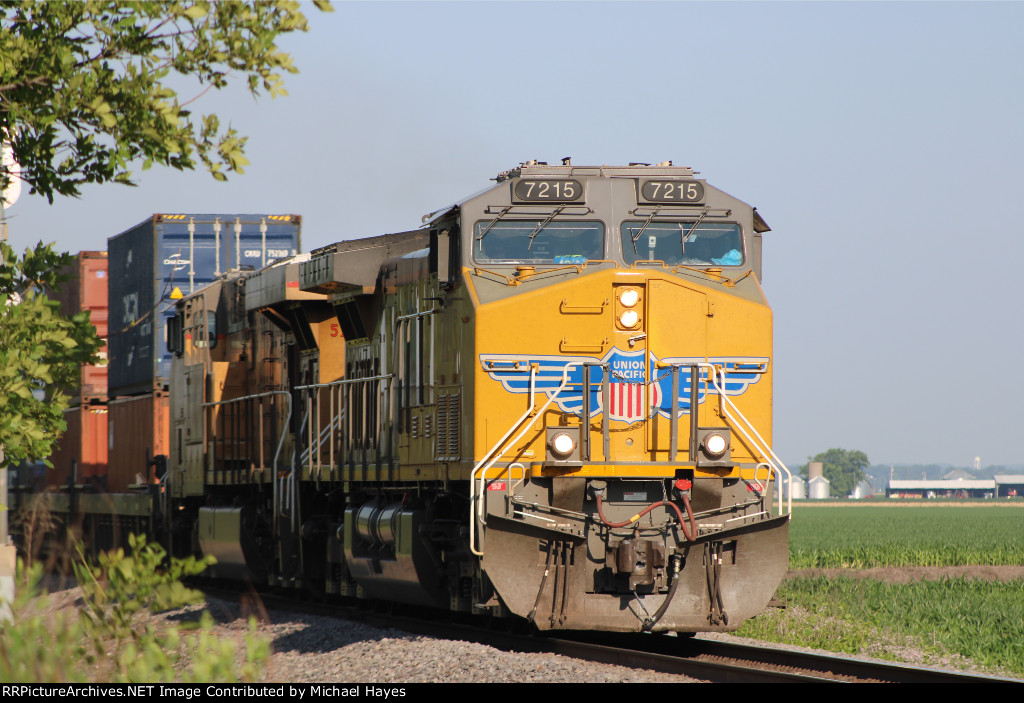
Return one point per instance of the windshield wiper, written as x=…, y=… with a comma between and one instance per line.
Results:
x=684, y=237
x=542, y=225
x=649, y=220
x=480, y=237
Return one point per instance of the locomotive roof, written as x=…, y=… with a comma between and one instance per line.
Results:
x=565, y=170
x=540, y=168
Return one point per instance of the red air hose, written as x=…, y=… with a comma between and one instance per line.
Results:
x=690, y=534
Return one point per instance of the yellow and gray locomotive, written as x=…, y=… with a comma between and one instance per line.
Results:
x=553, y=401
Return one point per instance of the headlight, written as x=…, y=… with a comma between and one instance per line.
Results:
x=562, y=444
x=629, y=319
x=715, y=445
x=629, y=297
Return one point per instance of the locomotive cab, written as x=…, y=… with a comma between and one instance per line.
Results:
x=631, y=322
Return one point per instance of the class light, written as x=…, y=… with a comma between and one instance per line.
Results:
x=715, y=445
x=629, y=297
x=629, y=319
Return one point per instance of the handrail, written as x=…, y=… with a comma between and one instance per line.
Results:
x=287, y=420
x=324, y=436
x=336, y=419
x=488, y=460
x=343, y=381
x=280, y=443
x=759, y=444
x=736, y=418
x=767, y=480
x=487, y=456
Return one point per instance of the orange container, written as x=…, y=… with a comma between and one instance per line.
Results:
x=84, y=443
x=87, y=290
x=139, y=428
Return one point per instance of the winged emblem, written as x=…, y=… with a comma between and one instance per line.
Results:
x=631, y=397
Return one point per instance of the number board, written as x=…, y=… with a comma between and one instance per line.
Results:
x=659, y=191
x=547, y=190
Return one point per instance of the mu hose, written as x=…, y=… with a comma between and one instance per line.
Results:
x=543, y=580
x=690, y=534
x=648, y=625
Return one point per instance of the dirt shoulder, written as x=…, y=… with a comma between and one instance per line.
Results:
x=906, y=574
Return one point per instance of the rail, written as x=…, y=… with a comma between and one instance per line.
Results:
x=356, y=420
x=493, y=454
x=750, y=433
x=325, y=434
x=248, y=400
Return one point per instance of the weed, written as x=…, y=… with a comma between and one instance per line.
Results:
x=109, y=640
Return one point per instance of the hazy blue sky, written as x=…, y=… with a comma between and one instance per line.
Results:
x=883, y=143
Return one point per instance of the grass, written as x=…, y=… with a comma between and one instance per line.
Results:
x=861, y=537
x=980, y=621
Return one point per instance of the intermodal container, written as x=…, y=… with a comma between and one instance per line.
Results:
x=86, y=290
x=138, y=430
x=166, y=257
x=81, y=452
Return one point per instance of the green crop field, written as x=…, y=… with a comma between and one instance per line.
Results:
x=980, y=621
x=894, y=535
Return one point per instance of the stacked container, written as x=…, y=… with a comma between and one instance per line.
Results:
x=152, y=266
x=166, y=257
x=81, y=454
x=138, y=430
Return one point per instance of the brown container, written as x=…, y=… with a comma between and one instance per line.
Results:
x=84, y=443
x=87, y=290
x=138, y=430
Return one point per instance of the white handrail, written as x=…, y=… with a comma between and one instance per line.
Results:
x=335, y=422
x=280, y=441
x=325, y=434
x=472, y=476
x=759, y=444
x=488, y=461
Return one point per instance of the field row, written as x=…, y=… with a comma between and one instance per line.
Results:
x=935, y=623
x=980, y=622
x=830, y=537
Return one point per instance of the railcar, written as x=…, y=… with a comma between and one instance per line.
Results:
x=552, y=401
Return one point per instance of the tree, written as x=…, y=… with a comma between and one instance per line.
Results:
x=38, y=349
x=843, y=468
x=84, y=86
x=84, y=93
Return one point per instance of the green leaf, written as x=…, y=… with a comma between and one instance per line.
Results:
x=195, y=12
x=80, y=119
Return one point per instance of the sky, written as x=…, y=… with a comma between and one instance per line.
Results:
x=882, y=142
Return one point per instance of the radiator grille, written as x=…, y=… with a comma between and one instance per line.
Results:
x=448, y=424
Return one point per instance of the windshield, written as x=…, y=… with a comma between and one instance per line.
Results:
x=710, y=244
x=509, y=241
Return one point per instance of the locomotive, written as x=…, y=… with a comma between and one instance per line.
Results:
x=550, y=402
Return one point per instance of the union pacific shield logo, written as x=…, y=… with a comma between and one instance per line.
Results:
x=632, y=397
x=627, y=401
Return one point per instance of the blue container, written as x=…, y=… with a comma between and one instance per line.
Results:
x=166, y=257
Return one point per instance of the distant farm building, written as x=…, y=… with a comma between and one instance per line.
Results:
x=799, y=488
x=1009, y=485
x=864, y=489
x=820, y=488
x=942, y=488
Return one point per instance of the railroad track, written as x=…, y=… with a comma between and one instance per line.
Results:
x=734, y=662
x=707, y=660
